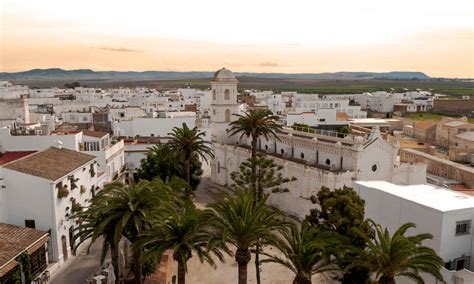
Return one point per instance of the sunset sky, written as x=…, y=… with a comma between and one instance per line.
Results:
x=293, y=36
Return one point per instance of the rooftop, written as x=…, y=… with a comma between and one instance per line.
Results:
x=8, y=157
x=427, y=195
x=92, y=133
x=13, y=241
x=52, y=163
x=455, y=123
x=468, y=135
x=440, y=160
x=224, y=74
x=425, y=124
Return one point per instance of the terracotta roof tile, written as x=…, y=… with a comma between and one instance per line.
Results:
x=52, y=163
x=14, y=240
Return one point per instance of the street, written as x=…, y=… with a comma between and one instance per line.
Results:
x=78, y=269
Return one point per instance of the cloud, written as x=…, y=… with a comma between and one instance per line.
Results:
x=268, y=64
x=118, y=49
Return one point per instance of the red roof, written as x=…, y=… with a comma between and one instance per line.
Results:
x=8, y=157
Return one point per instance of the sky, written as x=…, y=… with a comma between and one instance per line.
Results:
x=293, y=36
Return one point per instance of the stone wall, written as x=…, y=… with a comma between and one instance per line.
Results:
x=454, y=106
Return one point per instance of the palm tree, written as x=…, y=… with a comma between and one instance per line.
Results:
x=89, y=229
x=399, y=255
x=255, y=123
x=188, y=142
x=124, y=210
x=241, y=222
x=184, y=230
x=307, y=251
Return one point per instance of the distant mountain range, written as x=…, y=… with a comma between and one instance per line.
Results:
x=57, y=73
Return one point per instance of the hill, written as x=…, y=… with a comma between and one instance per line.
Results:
x=52, y=73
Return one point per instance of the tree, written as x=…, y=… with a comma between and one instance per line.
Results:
x=255, y=123
x=307, y=251
x=123, y=210
x=342, y=211
x=389, y=256
x=267, y=176
x=187, y=143
x=166, y=165
x=242, y=223
x=72, y=85
x=184, y=230
x=343, y=131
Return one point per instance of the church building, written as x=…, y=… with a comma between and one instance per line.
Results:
x=314, y=159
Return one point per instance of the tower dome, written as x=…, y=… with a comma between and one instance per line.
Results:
x=224, y=74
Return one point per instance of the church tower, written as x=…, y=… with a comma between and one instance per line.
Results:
x=224, y=105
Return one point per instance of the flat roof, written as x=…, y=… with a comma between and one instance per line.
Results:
x=431, y=196
x=8, y=157
x=468, y=135
x=455, y=123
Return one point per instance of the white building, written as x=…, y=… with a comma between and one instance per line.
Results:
x=312, y=103
x=151, y=127
x=109, y=152
x=41, y=189
x=315, y=159
x=317, y=118
x=446, y=214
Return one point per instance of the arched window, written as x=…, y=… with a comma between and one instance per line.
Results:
x=282, y=151
x=227, y=94
x=328, y=162
x=213, y=94
x=302, y=155
x=227, y=115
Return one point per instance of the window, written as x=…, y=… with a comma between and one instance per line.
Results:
x=227, y=115
x=302, y=155
x=282, y=151
x=463, y=227
x=374, y=168
x=227, y=94
x=30, y=224
x=328, y=162
x=218, y=167
x=266, y=147
x=213, y=94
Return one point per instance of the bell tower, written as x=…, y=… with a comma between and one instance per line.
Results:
x=224, y=105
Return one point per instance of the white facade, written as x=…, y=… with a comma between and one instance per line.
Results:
x=312, y=103
x=316, y=160
x=320, y=117
x=157, y=127
x=29, y=197
x=434, y=210
x=224, y=104
x=12, y=109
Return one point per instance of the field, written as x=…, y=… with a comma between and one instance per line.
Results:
x=347, y=86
